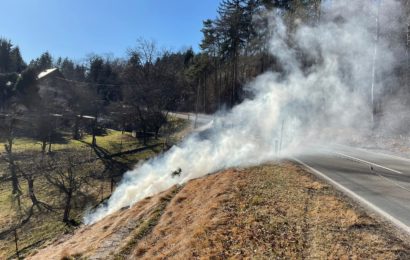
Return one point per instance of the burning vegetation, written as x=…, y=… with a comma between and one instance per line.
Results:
x=80, y=139
x=270, y=211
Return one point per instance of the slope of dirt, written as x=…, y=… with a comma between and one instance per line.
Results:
x=265, y=212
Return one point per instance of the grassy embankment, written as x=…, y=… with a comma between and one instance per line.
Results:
x=277, y=211
x=45, y=225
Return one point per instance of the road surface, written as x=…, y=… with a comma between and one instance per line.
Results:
x=378, y=181
x=199, y=118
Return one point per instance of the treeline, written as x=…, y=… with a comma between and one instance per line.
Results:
x=135, y=93
x=233, y=50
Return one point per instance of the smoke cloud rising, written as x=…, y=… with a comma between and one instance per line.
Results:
x=322, y=93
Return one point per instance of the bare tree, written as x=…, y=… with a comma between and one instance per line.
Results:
x=30, y=170
x=64, y=174
x=7, y=130
x=147, y=50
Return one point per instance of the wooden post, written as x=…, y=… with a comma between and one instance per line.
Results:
x=281, y=136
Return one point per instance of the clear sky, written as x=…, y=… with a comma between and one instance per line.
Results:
x=75, y=28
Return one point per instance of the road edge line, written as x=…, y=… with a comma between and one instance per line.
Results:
x=367, y=162
x=397, y=157
x=370, y=205
x=377, y=152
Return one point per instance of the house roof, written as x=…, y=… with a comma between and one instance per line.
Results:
x=45, y=73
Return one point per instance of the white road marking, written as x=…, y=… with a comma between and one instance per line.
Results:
x=384, y=154
x=375, y=172
x=367, y=162
x=383, y=213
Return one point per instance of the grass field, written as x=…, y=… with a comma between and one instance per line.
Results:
x=45, y=225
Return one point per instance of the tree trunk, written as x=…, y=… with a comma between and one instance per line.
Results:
x=197, y=102
x=204, y=94
x=94, y=141
x=226, y=84
x=32, y=195
x=16, y=241
x=43, y=146
x=76, y=130
x=12, y=167
x=67, y=208
x=14, y=179
x=234, y=77
x=112, y=183
x=94, y=133
x=220, y=87
x=143, y=125
x=232, y=82
x=217, y=89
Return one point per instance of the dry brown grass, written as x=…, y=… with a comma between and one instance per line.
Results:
x=101, y=240
x=190, y=215
x=265, y=212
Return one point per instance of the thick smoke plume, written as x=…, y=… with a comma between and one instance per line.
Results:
x=323, y=93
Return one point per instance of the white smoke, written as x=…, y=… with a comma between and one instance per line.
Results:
x=308, y=104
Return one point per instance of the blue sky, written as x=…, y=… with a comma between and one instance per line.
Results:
x=75, y=28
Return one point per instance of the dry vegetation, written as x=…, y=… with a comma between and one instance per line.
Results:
x=265, y=212
x=45, y=225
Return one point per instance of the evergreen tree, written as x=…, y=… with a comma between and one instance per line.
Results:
x=232, y=27
x=105, y=79
x=44, y=62
x=17, y=62
x=10, y=58
x=5, y=55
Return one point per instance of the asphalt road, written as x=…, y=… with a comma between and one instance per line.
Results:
x=378, y=181
x=199, y=118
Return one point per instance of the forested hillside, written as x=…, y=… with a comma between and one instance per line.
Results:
x=234, y=49
x=71, y=128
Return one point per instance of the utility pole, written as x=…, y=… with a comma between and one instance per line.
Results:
x=375, y=58
x=408, y=58
x=318, y=11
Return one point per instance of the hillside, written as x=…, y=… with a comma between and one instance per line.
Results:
x=121, y=151
x=262, y=212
